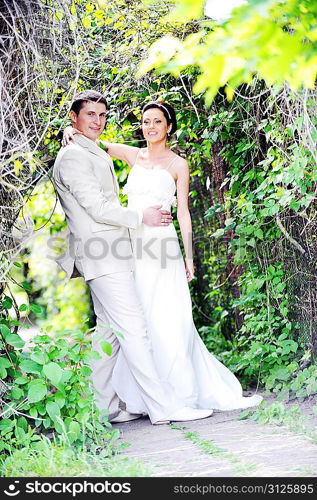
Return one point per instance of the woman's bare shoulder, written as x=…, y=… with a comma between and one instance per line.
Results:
x=132, y=154
x=180, y=159
x=180, y=163
x=142, y=152
x=138, y=154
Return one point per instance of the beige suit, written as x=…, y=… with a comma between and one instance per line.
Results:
x=100, y=249
x=99, y=226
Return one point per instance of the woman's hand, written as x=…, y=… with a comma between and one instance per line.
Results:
x=68, y=135
x=190, y=270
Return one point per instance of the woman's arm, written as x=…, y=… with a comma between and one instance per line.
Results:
x=183, y=216
x=115, y=150
x=121, y=151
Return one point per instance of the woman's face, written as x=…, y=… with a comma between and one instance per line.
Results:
x=154, y=125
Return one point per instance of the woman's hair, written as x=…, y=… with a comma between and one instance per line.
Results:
x=167, y=110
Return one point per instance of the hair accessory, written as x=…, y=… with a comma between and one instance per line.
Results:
x=167, y=111
x=162, y=106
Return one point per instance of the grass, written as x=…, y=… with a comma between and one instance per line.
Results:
x=246, y=470
x=277, y=414
x=59, y=459
x=207, y=446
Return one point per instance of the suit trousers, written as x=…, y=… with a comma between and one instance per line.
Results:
x=120, y=321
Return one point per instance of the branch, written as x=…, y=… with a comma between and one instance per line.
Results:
x=289, y=237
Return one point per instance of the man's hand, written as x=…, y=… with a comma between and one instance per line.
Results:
x=153, y=216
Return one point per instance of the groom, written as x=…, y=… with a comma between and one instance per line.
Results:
x=100, y=251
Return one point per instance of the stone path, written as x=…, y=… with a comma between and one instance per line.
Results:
x=221, y=446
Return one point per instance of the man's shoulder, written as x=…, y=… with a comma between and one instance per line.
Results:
x=70, y=150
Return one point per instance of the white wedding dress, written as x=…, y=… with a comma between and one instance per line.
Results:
x=181, y=358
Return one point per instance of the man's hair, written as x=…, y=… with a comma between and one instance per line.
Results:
x=85, y=96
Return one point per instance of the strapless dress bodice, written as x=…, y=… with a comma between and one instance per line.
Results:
x=146, y=187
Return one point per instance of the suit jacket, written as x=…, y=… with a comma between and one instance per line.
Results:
x=99, y=238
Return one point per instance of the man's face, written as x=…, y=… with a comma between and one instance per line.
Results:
x=91, y=119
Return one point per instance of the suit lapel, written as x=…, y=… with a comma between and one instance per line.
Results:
x=96, y=150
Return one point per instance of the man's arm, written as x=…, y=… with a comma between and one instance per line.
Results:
x=78, y=177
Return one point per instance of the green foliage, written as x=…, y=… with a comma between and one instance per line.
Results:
x=261, y=195
x=276, y=413
x=271, y=38
x=280, y=415
x=292, y=382
x=265, y=340
x=49, y=384
x=59, y=458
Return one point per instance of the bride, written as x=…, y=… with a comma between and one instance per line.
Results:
x=160, y=177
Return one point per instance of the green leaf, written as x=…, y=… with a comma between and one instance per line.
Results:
x=65, y=378
x=53, y=409
x=4, y=362
x=106, y=347
x=6, y=424
x=53, y=372
x=14, y=322
x=74, y=431
x=282, y=374
x=83, y=403
x=92, y=355
x=280, y=287
x=16, y=393
x=21, y=380
x=218, y=233
x=33, y=412
x=37, y=391
x=36, y=309
x=4, y=330
x=251, y=242
x=60, y=399
x=19, y=433
x=29, y=366
x=258, y=233
x=47, y=423
x=27, y=287
x=15, y=340
x=85, y=371
x=40, y=357
x=23, y=307
x=22, y=422
x=7, y=303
